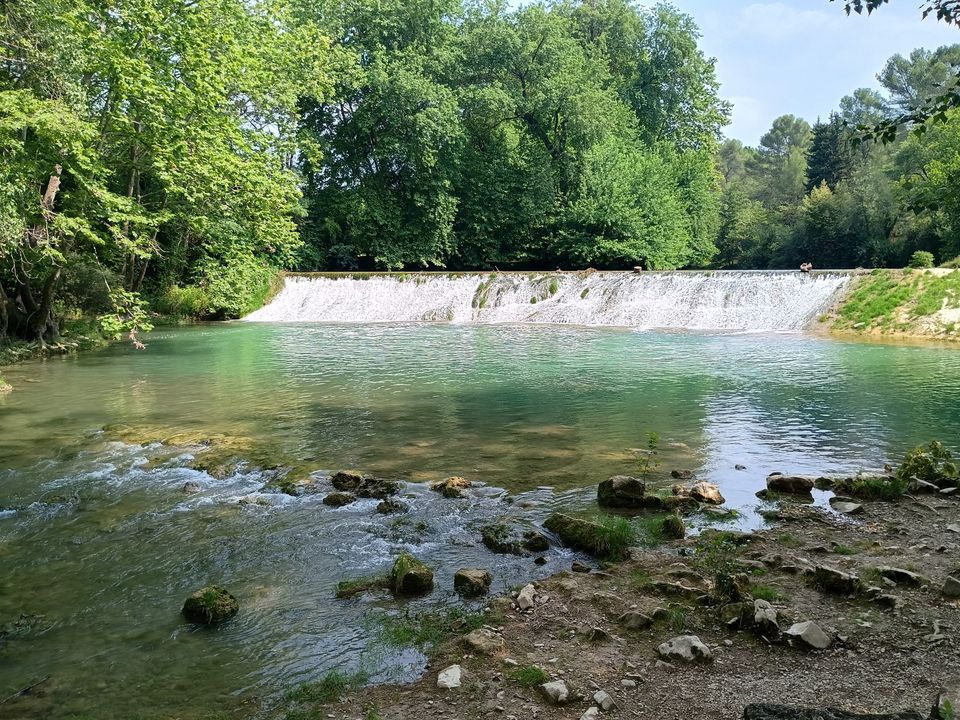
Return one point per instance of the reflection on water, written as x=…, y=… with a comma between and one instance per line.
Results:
x=98, y=539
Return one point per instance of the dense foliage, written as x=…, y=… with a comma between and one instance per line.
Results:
x=822, y=194
x=472, y=135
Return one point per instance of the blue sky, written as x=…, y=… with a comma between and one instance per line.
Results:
x=802, y=56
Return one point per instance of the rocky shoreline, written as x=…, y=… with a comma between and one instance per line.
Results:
x=854, y=616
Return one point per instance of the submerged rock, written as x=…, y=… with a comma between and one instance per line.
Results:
x=783, y=712
x=452, y=487
x=687, y=649
x=351, y=588
x=389, y=507
x=471, y=582
x=191, y=488
x=210, y=606
x=578, y=533
x=364, y=486
x=508, y=539
x=622, y=491
x=339, y=499
x=410, y=576
x=681, y=474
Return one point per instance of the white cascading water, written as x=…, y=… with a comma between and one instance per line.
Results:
x=728, y=300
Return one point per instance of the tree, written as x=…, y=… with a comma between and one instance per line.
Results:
x=829, y=158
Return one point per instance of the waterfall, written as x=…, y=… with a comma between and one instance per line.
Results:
x=726, y=300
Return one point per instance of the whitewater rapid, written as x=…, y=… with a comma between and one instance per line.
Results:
x=725, y=300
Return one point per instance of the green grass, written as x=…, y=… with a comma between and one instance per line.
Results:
x=873, y=488
x=528, y=676
x=844, y=550
x=639, y=580
x=789, y=541
x=677, y=617
x=583, y=295
x=765, y=592
x=427, y=630
x=333, y=686
x=648, y=530
x=614, y=536
x=554, y=286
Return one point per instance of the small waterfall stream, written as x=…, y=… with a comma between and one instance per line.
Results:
x=729, y=300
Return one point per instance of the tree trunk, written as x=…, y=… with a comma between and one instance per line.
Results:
x=4, y=317
x=43, y=325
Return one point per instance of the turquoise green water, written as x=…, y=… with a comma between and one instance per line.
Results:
x=99, y=540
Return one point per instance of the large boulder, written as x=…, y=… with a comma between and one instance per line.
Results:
x=452, y=487
x=951, y=587
x=685, y=649
x=471, y=582
x=410, y=576
x=210, y=606
x=622, y=491
x=790, y=484
x=783, y=712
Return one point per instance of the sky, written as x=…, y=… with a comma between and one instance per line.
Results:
x=800, y=57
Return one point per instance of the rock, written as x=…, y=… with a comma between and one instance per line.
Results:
x=737, y=615
x=790, y=484
x=673, y=527
x=845, y=506
x=483, y=641
x=210, y=606
x=580, y=534
x=685, y=649
x=539, y=561
x=191, y=488
x=555, y=692
x=902, y=577
x=579, y=567
x=765, y=619
x=680, y=490
x=948, y=701
x=452, y=487
x=922, y=487
x=738, y=466
x=681, y=474
x=388, y=507
x=449, y=678
x=507, y=539
x=363, y=486
x=633, y=620
x=810, y=634
x=339, y=499
x=527, y=597
x=835, y=581
x=950, y=491
x=951, y=588
x=621, y=491
x=471, y=582
x=591, y=713
x=707, y=493
x=782, y=712
x=351, y=588
x=604, y=701
x=410, y=576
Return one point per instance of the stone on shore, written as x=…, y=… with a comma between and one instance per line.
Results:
x=210, y=606
x=835, y=581
x=527, y=597
x=951, y=588
x=604, y=701
x=765, y=619
x=577, y=533
x=471, y=582
x=809, y=634
x=782, y=712
x=484, y=641
x=410, y=576
x=556, y=692
x=449, y=678
x=686, y=649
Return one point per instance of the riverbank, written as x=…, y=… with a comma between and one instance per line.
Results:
x=875, y=583
x=907, y=304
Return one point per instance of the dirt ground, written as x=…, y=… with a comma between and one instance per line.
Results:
x=885, y=656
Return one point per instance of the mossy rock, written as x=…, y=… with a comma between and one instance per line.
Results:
x=339, y=499
x=576, y=532
x=452, y=487
x=410, y=576
x=673, y=527
x=511, y=540
x=471, y=582
x=211, y=605
x=364, y=486
x=390, y=507
x=351, y=588
x=622, y=491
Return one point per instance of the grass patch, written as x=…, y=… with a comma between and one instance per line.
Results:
x=330, y=688
x=677, y=617
x=789, y=541
x=640, y=580
x=528, y=676
x=614, y=536
x=844, y=550
x=427, y=630
x=765, y=592
x=554, y=286
x=648, y=530
x=873, y=487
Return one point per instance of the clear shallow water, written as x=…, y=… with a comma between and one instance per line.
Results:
x=102, y=542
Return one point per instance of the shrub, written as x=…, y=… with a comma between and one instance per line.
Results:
x=932, y=464
x=921, y=259
x=614, y=536
x=187, y=301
